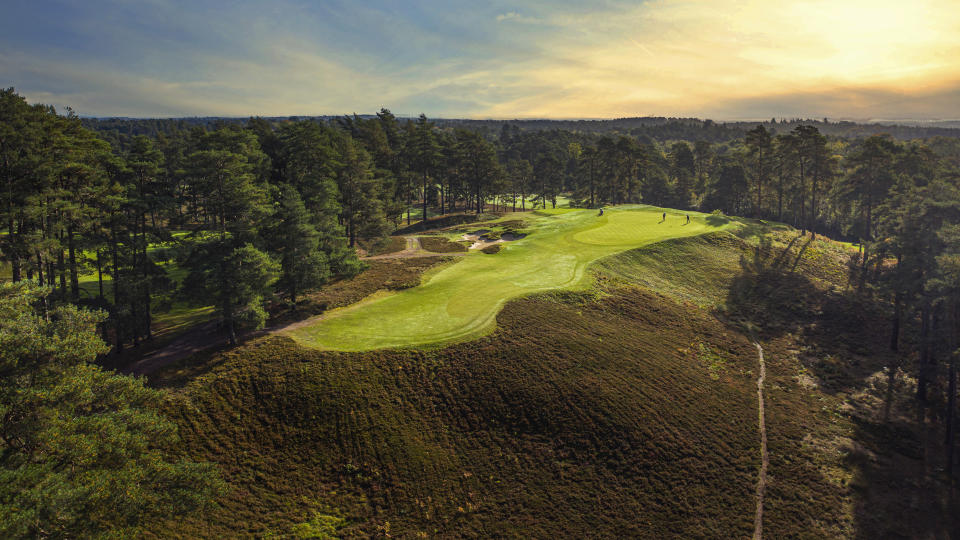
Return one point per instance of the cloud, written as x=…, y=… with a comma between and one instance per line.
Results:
x=513, y=16
x=719, y=58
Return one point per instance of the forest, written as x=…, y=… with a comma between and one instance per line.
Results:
x=137, y=218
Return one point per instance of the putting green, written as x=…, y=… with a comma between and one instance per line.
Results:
x=461, y=301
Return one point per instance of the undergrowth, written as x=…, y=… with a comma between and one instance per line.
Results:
x=441, y=244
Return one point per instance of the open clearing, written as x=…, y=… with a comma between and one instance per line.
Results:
x=461, y=301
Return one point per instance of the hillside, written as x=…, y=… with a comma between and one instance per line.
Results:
x=625, y=409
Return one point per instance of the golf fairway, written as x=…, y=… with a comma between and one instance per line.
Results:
x=461, y=301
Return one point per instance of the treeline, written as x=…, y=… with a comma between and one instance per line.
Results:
x=119, y=131
x=278, y=206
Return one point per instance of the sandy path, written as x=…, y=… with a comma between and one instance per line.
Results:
x=765, y=460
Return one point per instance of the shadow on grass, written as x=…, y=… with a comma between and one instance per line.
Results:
x=181, y=372
x=717, y=221
x=825, y=333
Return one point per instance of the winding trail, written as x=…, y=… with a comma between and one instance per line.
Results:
x=765, y=460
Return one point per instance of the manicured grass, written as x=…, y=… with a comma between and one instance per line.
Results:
x=461, y=301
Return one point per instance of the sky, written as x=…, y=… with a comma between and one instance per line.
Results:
x=719, y=59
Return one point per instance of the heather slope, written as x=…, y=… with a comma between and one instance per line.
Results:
x=625, y=409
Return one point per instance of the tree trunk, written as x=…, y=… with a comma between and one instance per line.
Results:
x=116, y=293
x=99, y=275
x=951, y=414
x=14, y=252
x=40, y=269
x=74, y=279
x=803, y=201
x=62, y=268
x=147, y=308
x=759, y=183
x=424, y=199
x=813, y=207
x=780, y=197
x=895, y=330
x=924, y=368
x=592, y=201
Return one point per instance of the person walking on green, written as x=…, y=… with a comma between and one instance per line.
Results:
x=664, y=218
x=688, y=218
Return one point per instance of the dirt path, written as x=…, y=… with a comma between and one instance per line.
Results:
x=186, y=344
x=765, y=460
x=198, y=340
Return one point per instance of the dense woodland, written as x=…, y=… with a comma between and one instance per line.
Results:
x=262, y=211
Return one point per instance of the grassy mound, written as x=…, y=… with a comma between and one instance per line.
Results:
x=624, y=410
x=578, y=418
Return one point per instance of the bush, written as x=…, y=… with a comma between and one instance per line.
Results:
x=441, y=244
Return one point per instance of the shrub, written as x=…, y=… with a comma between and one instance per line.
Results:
x=441, y=244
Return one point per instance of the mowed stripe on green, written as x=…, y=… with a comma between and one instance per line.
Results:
x=461, y=301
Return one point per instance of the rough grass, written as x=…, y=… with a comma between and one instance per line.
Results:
x=623, y=410
x=383, y=246
x=441, y=244
x=447, y=220
x=577, y=419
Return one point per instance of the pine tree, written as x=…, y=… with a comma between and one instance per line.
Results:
x=83, y=452
x=302, y=265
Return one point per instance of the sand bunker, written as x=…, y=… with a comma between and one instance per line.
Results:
x=480, y=241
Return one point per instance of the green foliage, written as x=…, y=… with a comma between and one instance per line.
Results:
x=83, y=452
x=716, y=363
x=303, y=266
x=320, y=527
x=235, y=279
